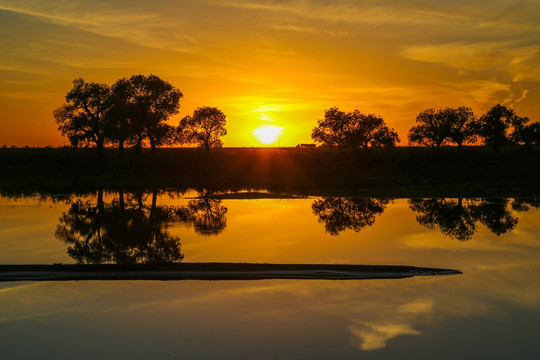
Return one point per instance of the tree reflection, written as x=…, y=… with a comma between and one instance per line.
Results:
x=207, y=215
x=339, y=214
x=457, y=218
x=495, y=216
x=453, y=218
x=133, y=228
x=524, y=204
x=126, y=231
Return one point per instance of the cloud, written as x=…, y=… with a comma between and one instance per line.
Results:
x=307, y=29
x=374, y=336
x=136, y=26
x=479, y=14
x=519, y=60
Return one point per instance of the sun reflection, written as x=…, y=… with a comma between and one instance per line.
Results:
x=267, y=134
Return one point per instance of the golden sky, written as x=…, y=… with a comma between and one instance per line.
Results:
x=270, y=62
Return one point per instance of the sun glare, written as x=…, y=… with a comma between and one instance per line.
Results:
x=267, y=134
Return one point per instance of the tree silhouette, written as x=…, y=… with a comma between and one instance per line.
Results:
x=123, y=232
x=204, y=128
x=339, y=214
x=122, y=128
x=438, y=127
x=148, y=102
x=83, y=118
x=370, y=131
x=333, y=130
x=457, y=218
x=529, y=134
x=461, y=125
x=500, y=126
x=355, y=129
x=431, y=129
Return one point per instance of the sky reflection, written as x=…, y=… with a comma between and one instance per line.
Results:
x=492, y=309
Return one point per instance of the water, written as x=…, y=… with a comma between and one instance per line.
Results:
x=491, y=311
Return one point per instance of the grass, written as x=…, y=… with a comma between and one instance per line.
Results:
x=409, y=170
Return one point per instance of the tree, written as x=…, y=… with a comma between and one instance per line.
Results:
x=460, y=123
x=431, y=129
x=530, y=134
x=121, y=125
x=84, y=116
x=500, y=126
x=148, y=102
x=353, y=129
x=204, y=128
x=333, y=130
x=370, y=131
x=449, y=125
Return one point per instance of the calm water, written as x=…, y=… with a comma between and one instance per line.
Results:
x=492, y=311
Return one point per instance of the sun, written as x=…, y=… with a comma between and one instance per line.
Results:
x=267, y=134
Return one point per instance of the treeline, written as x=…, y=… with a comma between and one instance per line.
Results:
x=134, y=112
x=498, y=127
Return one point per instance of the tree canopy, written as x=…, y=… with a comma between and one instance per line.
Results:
x=131, y=111
x=83, y=118
x=500, y=126
x=148, y=102
x=460, y=124
x=438, y=127
x=204, y=127
x=355, y=129
x=530, y=134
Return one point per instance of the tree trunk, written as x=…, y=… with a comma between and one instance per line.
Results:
x=152, y=144
x=138, y=145
x=99, y=149
x=100, y=203
x=121, y=200
x=153, y=207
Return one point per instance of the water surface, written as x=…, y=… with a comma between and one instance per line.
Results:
x=491, y=311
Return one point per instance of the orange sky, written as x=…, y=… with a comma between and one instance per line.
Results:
x=271, y=62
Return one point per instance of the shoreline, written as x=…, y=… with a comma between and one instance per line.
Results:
x=213, y=271
x=476, y=171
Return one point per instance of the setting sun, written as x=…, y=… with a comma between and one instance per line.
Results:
x=267, y=134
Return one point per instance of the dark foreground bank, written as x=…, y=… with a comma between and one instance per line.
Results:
x=474, y=170
x=213, y=271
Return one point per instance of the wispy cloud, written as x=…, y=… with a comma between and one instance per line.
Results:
x=520, y=60
x=479, y=14
x=145, y=28
x=307, y=29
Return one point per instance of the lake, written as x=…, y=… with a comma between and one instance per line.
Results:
x=491, y=311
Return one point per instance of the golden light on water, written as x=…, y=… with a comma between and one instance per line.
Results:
x=267, y=134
